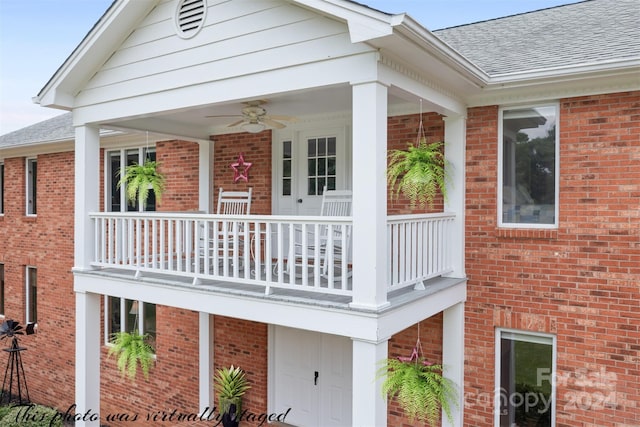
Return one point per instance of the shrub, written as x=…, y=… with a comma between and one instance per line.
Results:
x=29, y=415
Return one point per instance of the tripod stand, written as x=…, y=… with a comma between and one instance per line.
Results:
x=14, y=370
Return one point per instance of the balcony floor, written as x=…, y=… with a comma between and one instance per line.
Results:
x=253, y=291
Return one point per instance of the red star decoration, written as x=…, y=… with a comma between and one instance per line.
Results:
x=241, y=169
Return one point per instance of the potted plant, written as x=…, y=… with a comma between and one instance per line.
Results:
x=138, y=179
x=132, y=350
x=230, y=385
x=419, y=386
x=418, y=172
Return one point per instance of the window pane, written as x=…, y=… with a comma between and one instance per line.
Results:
x=322, y=170
x=133, y=156
x=311, y=189
x=132, y=315
x=32, y=181
x=322, y=146
x=32, y=295
x=2, y=189
x=2, y=289
x=331, y=166
x=311, y=147
x=114, y=174
x=311, y=167
x=286, y=187
x=528, y=166
x=286, y=149
x=331, y=183
x=525, y=381
x=286, y=168
x=149, y=326
x=331, y=146
x=114, y=324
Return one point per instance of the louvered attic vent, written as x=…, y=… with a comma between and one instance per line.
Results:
x=190, y=17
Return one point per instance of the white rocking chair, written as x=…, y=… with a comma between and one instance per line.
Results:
x=329, y=246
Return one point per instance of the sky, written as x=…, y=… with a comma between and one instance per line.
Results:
x=37, y=36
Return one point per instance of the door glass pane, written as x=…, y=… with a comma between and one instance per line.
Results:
x=114, y=175
x=286, y=187
x=286, y=150
x=322, y=147
x=321, y=164
x=331, y=146
x=286, y=168
x=311, y=189
x=322, y=170
x=149, y=326
x=311, y=147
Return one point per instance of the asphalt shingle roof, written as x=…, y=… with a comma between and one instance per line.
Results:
x=58, y=128
x=587, y=32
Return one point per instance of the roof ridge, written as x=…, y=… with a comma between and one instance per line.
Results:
x=511, y=16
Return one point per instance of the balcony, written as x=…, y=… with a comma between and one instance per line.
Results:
x=267, y=253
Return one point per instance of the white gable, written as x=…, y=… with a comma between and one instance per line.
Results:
x=238, y=39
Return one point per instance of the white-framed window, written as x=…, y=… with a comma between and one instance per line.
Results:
x=31, y=185
x=528, y=166
x=31, y=295
x=1, y=289
x=125, y=315
x=525, y=372
x=115, y=197
x=1, y=188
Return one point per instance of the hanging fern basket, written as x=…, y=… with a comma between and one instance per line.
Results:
x=418, y=386
x=138, y=179
x=418, y=172
x=131, y=350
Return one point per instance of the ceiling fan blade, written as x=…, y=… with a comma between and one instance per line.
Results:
x=234, y=124
x=225, y=115
x=272, y=123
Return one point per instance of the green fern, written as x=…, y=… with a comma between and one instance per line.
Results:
x=132, y=350
x=230, y=385
x=137, y=179
x=420, y=388
x=418, y=172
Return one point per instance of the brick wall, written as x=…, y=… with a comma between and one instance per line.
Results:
x=44, y=242
x=579, y=282
x=257, y=151
x=179, y=162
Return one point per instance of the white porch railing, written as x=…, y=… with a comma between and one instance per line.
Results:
x=301, y=253
x=418, y=248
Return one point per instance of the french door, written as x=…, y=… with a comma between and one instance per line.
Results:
x=306, y=163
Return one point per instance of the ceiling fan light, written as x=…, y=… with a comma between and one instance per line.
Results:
x=253, y=127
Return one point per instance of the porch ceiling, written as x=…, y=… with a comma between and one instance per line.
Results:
x=304, y=105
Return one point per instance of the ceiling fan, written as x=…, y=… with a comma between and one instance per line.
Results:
x=255, y=118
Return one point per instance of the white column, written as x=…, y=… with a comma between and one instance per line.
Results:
x=453, y=359
x=369, y=406
x=205, y=176
x=88, y=358
x=455, y=136
x=87, y=190
x=369, y=195
x=205, y=370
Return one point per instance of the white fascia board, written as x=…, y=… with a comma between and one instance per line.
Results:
x=412, y=31
x=568, y=72
x=566, y=82
x=364, y=23
x=110, y=30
